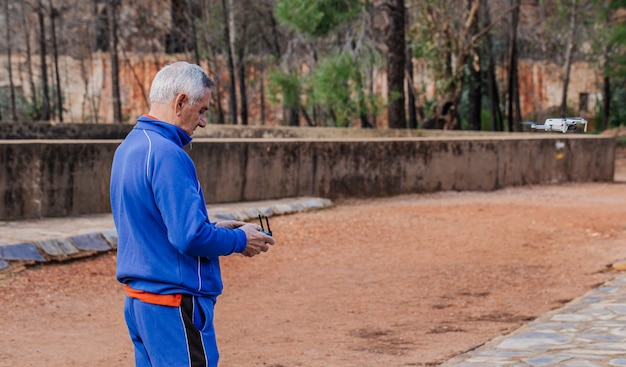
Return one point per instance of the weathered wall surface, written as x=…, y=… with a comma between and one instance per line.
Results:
x=54, y=178
x=41, y=178
x=44, y=130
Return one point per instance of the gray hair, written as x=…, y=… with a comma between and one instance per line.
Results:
x=180, y=77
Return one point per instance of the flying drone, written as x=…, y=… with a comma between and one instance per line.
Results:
x=563, y=124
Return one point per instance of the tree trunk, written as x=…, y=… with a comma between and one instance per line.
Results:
x=568, y=57
x=9, y=66
x=115, y=81
x=262, y=91
x=243, y=97
x=54, y=13
x=494, y=94
x=513, y=105
x=29, y=64
x=475, y=98
x=232, y=98
x=396, y=58
x=218, y=94
x=411, y=91
x=192, y=33
x=276, y=44
x=475, y=82
x=42, y=56
x=294, y=116
x=307, y=118
x=606, y=103
x=214, y=70
x=370, y=88
x=409, y=73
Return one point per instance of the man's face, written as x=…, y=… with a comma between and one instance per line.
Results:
x=192, y=116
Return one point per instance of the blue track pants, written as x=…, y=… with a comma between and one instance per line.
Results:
x=166, y=336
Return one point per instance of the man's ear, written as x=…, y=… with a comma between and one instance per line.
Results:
x=180, y=100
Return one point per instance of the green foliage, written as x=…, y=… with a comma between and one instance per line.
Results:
x=610, y=42
x=617, y=113
x=617, y=58
x=285, y=85
x=316, y=18
x=610, y=37
x=333, y=91
x=334, y=87
x=331, y=86
x=439, y=35
x=337, y=85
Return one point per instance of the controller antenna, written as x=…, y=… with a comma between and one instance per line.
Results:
x=269, y=231
x=267, y=221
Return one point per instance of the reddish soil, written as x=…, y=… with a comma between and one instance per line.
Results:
x=403, y=281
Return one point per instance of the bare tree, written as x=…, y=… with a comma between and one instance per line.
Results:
x=29, y=64
x=492, y=83
x=568, y=56
x=271, y=39
x=9, y=61
x=513, y=85
x=606, y=104
x=241, y=63
x=209, y=45
x=54, y=13
x=411, y=95
x=115, y=81
x=475, y=81
x=262, y=92
x=396, y=59
x=231, y=64
x=192, y=31
x=445, y=33
x=42, y=58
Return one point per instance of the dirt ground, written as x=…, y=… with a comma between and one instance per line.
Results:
x=403, y=281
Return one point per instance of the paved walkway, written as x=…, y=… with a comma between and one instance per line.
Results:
x=59, y=239
x=588, y=332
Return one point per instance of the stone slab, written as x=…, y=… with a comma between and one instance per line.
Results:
x=58, y=247
x=111, y=238
x=90, y=242
x=21, y=251
x=223, y=216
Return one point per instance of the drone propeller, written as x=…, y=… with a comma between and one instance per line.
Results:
x=526, y=123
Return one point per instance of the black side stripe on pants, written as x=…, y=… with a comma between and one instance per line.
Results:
x=197, y=355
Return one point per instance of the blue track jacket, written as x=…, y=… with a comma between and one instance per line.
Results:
x=166, y=243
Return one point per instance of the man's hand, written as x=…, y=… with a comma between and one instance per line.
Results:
x=257, y=241
x=230, y=224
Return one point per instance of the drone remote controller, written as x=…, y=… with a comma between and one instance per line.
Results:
x=267, y=222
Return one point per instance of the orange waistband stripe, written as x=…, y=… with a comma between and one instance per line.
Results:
x=172, y=300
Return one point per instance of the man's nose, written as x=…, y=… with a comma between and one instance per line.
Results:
x=202, y=121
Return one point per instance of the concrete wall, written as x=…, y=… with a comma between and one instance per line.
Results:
x=45, y=178
x=46, y=130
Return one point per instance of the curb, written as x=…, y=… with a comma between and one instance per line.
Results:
x=17, y=256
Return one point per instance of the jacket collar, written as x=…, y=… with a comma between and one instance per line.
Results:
x=169, y=131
